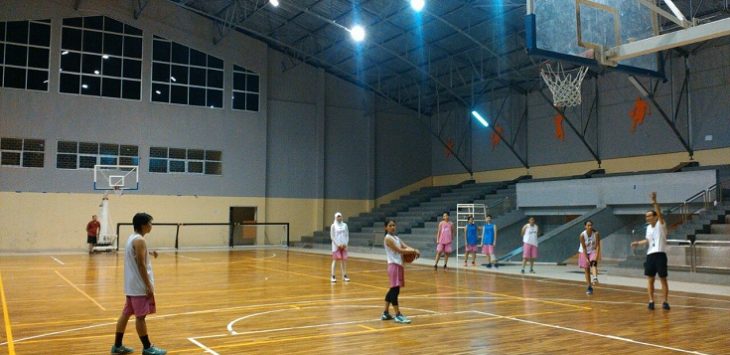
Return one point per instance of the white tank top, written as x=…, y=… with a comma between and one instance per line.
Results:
x=133, y=283
x=657, y=238
x=394, y=257
x=530, y=236
x=591, y=242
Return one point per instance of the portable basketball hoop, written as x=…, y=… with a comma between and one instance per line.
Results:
x=564, y=84
x=112, y=179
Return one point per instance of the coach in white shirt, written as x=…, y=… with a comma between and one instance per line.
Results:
x=656, y=256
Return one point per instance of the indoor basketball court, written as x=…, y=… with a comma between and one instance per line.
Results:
x=212, y=142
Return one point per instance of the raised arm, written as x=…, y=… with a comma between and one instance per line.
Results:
x=657, y=210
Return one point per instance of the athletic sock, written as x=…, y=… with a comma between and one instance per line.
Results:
x=118, y=339
x=146, y=341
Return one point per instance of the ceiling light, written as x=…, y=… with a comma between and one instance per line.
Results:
x=274, y=3
x=480, y=118
x=358, y=33
x=418, y=5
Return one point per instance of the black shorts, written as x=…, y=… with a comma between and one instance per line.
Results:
x=656, y=263
x=91, y=239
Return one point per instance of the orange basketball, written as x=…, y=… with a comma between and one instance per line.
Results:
x=409, y=257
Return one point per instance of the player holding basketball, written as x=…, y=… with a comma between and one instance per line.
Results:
x=340, y=236
x=395, y=249
x=139, y=287
x=589, y=253
x=529, y=244
x=444, y=237
x=656, y=256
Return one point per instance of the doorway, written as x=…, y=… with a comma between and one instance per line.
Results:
x=240, y=234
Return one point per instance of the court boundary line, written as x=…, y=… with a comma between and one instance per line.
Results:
x=57, y=260
x=6, y=319
x=613, y=337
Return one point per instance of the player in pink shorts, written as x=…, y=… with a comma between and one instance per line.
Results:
x=471, y=232
x=139, y=288
x=589, y=254
x=340, y=235
x=489, y=241
x=529, y=244
x=444, y=237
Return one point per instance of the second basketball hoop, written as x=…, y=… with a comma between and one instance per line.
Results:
x=564, y=84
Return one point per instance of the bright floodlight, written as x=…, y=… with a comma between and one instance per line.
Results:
x=480, y=118
x=418, y=5
x=358, y=33
x=274, y=3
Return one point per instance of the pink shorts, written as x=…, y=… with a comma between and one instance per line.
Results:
x=443, y=248
x=396, y=275
x=140, y=306
x=529, y=251
x=584, y=263
x=340, y=254
x=471, y=248
x=487, y=249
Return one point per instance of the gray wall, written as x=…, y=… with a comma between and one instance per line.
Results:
x=54, y=116
x=403, y=151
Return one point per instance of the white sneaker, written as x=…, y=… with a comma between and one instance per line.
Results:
x=347, y=279
x=333, y=279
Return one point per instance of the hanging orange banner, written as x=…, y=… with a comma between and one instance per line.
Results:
x=558, y=121
x=495, y=137
x=638, y=113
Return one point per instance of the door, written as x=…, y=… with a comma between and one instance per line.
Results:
x=243, y=235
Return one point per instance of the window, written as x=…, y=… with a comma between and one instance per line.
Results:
x=181, y=160
x=84, y=155
x=25, y=54
x=245, y=89
x=25, y=152
x=183, y=75
x=101, y=56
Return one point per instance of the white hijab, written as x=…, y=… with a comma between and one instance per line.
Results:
x=336, y=222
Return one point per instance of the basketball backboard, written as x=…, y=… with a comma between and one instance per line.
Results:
x=573, y=30
x=116, y=177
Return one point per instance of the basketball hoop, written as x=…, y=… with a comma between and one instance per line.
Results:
x=564, y=84
x=118, y=190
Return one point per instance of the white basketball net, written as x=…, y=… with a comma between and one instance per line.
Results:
x=565, y=86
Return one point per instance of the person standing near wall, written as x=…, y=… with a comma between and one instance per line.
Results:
x=444, y=237
x=489, y=241
x=92, y=233
x=529, y=244
x=340, y=236
x=656, y=256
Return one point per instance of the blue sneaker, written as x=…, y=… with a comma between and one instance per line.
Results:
x=153, y=350
x=386, y=316
x=589, y=291
x=402, y=319
x=121, y=349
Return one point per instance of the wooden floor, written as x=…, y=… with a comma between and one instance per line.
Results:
x=274, y=301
